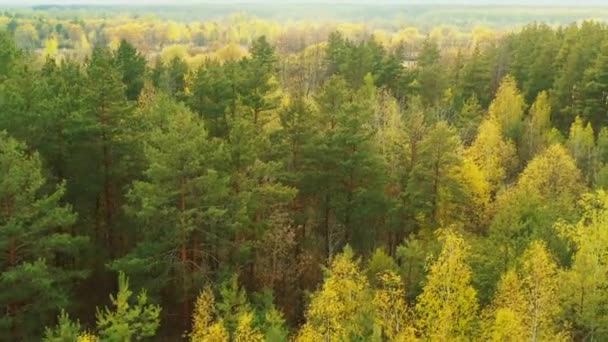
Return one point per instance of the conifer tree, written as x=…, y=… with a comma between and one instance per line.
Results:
x=127, y=321
x=433, y=184
x=595, y=90
x=132, y=65
x=104, y=127
x=468, y=120
x=38, y=266
x=179, y=206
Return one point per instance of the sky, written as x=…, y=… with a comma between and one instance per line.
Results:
x=378, y=2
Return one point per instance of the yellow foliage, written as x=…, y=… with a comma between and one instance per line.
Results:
x=507, y=327
x=231, y=52
x=508, y=108
x=391, y=312
x=581, y=144
x=478, y=191
x=552, y=174
x=172, y=51
x=492, y=154
x=483, y=36
x=336, y=309
x=308, y=334
x=204, y=326
x=245, y=331
x=51, y=46
x=86, y=337
x=583, y=286
x=540, y=290
x=447, y=306
x=539, y=125
x=507, y=311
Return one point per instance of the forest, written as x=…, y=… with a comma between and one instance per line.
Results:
x=245, y=179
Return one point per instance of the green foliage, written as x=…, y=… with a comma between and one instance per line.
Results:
x=253, y=148
x=127, y=321
x=433, y=184
x=581, y=286
x=132, y=65
x=35, y=235
x=65, y=331
x=379, y=263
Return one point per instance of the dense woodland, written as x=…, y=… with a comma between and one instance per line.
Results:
x=344, y=188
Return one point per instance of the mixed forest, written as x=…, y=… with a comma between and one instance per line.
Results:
x=258, y=181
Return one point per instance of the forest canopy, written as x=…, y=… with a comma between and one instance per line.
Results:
x=245, y=178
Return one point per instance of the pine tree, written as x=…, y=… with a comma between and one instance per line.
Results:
x=65, y=331
x=469, y=119
x=234, y=303
x=433, y=184
x=474, y=79
x=431, y=75
x=38, y=267
x=127, y=321
x=180, y=207
x=132, y=65
x=595, y=90
x=213, y=94
x=103, y=140
x=257, y=85
x=343, y=165
x=9, y=54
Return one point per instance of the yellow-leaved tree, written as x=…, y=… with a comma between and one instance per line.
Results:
x=392, y=318
x=539, y=278
x=526, y=306
x=583, y=286
x=494, y=155
x=340, y=310
x=246, y=331
x=505, y=316
x=581, y=145
x=447, y=307
x=538, y=126
x=205, y=325
x=508, y=109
